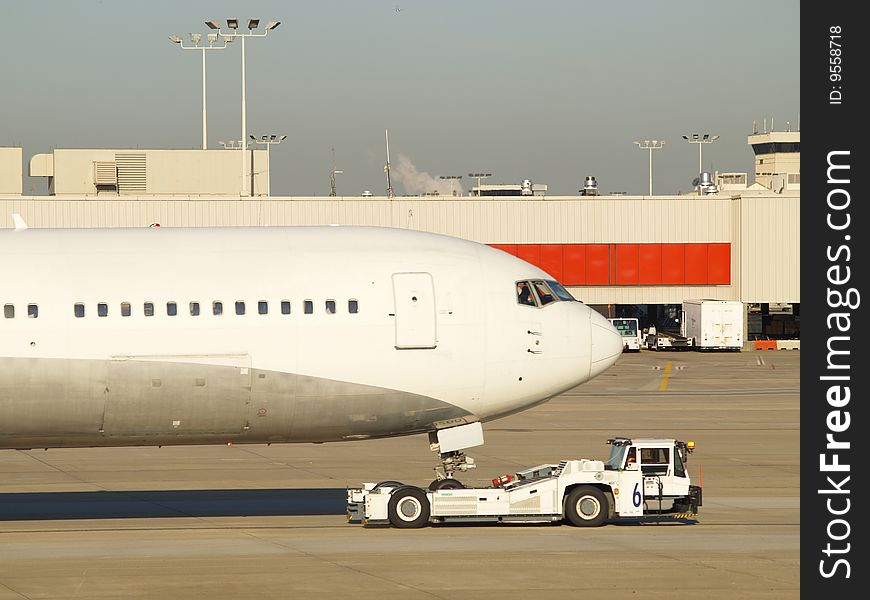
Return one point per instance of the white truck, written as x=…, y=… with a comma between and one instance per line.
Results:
x=713, y=324
x=630, y=331
x=641, y=478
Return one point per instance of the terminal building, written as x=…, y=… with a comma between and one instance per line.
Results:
x=626, y=255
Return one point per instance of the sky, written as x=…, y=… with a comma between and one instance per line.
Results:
x=546, y=91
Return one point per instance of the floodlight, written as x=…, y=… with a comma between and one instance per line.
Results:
x=175, y=39
x=283, y=137
x=253, y=23
x=213, y=24
x=212, y=38
x=229, y=38
x=195, y=38
x=273, y=24
x=233, y=23
x=253, y=137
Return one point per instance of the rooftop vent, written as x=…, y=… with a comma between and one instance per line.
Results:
x=590, y=188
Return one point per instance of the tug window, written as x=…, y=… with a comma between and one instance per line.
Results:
x=217, y=307
x=102, y=309
x=240, y=307
x=171, y=309
x=309, y=307
x=544, y=292
x=679, y=467
x=352, y=306
x=285, y=307
x=79, y=310
x=330, y=307
x=125, y=309
x=32, y=311
x=9, y=311
x=194, y=309
x=654, y=461
x=149, y=309
x=524, y=294
x=263, y=307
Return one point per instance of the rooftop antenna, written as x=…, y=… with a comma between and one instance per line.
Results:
x=387, y=166
x=332, y=175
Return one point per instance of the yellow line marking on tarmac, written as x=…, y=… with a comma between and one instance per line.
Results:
x=664, y=384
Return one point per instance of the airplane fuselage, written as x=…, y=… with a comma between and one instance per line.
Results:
x=299, y=334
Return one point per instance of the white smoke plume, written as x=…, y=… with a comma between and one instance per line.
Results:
x=420, y=182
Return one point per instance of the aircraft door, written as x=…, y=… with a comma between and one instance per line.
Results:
x=414, y=295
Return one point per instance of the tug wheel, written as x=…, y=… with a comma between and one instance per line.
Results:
x=388, y=483
x=408, y=508
x=586, y=506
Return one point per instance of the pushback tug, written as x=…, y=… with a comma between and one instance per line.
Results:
x=641, y=478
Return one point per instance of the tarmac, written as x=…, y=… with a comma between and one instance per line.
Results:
x=262, y=521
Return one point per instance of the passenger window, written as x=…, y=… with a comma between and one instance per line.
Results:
x=524, y=294
x=217, y=307
x=309, y=307
x=148, y=309
x=79, y=310
x=125, y=309
x=330, y=307
x=32, y=311
x=352, y=307
x=102, y=309
x=171, y=309
x=9, y=311
x=194, y=309
x=263, y=307
x=544, y=293
x=285, y=307
x=240, y=307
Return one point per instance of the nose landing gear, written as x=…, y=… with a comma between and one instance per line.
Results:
x=449, y=443
x=451, y=462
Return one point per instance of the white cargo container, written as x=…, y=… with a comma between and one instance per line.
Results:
x=713, y=324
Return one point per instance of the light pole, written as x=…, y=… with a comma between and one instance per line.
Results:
x=233, y=25
x=332, y=175
x=268, y=141
x=195, y=38
x=452, y=178
x=700, y=139
x=479, y=176
x=650, y=145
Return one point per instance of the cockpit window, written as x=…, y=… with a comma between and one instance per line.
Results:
x=524, y=294
x=561, y=292
x=540, y=293
x=545, y=294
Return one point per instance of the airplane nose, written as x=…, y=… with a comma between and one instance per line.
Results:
x=607, y=344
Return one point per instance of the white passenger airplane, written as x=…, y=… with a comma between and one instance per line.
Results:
x=120, y=337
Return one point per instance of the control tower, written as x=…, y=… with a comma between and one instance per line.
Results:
x=777, y=159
